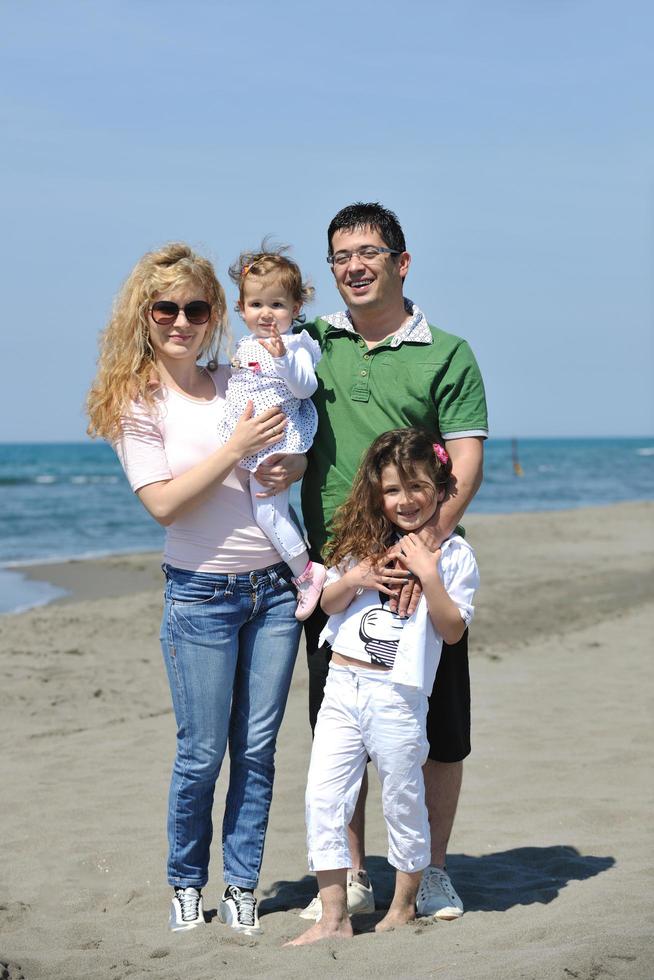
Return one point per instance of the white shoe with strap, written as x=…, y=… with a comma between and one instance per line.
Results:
x=360, y=899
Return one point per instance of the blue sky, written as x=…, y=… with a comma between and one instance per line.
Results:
x=513, y=139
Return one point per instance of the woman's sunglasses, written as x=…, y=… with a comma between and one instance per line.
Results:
x=165, y=312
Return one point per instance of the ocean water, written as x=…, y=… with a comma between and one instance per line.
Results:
x=72, y=500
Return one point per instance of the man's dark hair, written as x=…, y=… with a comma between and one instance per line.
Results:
x=374, y=216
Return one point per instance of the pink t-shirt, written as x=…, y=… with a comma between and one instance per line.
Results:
x=219, y=534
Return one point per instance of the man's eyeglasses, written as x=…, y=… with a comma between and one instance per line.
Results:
x=166, y=312
x=367, y=253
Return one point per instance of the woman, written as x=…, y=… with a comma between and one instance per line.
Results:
x=229, y=634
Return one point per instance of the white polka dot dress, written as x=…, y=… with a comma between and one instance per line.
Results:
x=269, y=381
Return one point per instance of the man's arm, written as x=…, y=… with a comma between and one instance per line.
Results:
x=467, y=457
x=281, y=473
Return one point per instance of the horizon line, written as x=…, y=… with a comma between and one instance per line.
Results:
x=490, y=438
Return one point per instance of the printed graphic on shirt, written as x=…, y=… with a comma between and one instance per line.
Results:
x=380, y=631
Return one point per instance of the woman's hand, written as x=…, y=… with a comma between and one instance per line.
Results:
x=255, y=432
x=279, y=472
x=418, y=558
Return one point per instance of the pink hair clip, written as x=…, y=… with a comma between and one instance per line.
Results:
x=245, y=270
x=441, y=453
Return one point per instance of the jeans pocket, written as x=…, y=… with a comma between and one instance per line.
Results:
x=192, y=620
x=187, y=589
x=185, y=600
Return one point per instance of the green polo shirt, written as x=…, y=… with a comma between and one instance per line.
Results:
x=362, y=393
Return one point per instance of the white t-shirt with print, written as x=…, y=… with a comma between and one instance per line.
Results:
x=368, y=631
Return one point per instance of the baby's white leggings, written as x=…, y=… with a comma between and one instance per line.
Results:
x=272, y=516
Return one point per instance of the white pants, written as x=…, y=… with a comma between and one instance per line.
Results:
x=363, y=714
x=272, y=516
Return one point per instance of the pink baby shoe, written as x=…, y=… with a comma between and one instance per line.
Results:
x=309, y=586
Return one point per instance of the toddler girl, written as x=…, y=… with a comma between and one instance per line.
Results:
x=273, y=367
x=382, y=668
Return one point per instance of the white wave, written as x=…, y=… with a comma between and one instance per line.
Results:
x=93, y=479
x=645, y=451
x=45, y=479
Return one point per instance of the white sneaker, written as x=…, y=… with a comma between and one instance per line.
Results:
x=186, y=910
x=360, y=899
x=436, y=895
x=313, y=910
x=238, y=909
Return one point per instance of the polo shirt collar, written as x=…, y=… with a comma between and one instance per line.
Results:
x=415, y=330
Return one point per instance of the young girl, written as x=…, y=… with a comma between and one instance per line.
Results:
x=276, y=368
x=382, y=668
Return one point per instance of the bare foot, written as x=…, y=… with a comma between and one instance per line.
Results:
x=339, y=930
x=396, y=917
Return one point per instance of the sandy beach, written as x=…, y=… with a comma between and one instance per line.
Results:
x=552, y=847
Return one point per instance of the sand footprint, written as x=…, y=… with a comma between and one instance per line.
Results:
x=11, y=971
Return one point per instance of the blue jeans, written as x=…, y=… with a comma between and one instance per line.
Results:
x=229, y=644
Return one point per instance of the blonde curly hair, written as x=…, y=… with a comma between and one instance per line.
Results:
x=127, y=368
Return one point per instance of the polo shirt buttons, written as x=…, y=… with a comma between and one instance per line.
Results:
x=363, y=374
x=366, y=356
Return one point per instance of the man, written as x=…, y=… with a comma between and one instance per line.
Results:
x=383, y=367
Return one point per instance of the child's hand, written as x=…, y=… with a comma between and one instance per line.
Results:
x=275, y=345
x=418, y=558
x=367, y=575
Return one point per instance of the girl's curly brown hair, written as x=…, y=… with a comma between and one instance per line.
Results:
x=360, y=528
